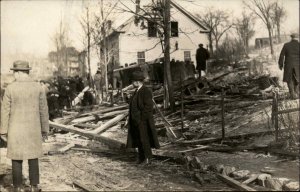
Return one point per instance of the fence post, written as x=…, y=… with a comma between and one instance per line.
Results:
x=275, y=113
x=223, y=114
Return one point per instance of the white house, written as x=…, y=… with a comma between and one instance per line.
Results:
x=131, y=43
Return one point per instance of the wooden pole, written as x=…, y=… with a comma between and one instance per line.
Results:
x=222, y=115
x=181, y=114
x=167, y=70
x=276, y=115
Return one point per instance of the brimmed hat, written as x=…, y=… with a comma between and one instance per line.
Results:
x=137, y=76
x=21, y=66
x=294, y=35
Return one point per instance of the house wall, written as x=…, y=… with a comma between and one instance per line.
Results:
x=135, y=39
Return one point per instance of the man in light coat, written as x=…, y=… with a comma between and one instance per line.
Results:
x=24, y=121
x=289, y=61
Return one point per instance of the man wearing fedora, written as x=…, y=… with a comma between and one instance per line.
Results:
x=24, y=121
x=141, y=131
x=289, y=61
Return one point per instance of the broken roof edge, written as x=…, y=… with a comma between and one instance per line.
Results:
x=190, y=16
x=181, y=9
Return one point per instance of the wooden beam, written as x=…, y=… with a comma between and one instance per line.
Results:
x=214, y=139
x=234, y=183
x=105, y=140
x=251, y=179
x=99, y=117
x=66, y=148
x=82, y=186
x=106, y=110
x=109, y=123
x=287, y=111
x=82, y=125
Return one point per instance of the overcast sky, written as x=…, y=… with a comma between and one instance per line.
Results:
x=27, y=26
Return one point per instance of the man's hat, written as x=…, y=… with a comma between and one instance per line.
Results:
x=21, y=66
x=137, y=76
x=294, y=35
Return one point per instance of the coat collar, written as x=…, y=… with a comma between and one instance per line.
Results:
x=24, y=79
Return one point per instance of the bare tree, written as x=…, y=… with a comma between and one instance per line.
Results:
x=61, y=42
x=279, y=14
x=264, y=10
x=245, y=29
x=218, y=23
x=86, y=26
x=100, y=31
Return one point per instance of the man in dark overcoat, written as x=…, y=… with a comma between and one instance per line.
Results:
x=289, y=61
x=141, y=131
x=24, y=122
x=201, y=56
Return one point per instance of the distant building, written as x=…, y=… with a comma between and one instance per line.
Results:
x=265, y=42
x=68, y=61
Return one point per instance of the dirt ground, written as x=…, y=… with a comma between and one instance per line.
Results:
x=113, y=172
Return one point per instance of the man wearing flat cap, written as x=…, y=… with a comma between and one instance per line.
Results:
x=141, y=131
x=289, y=61
x=24, y=122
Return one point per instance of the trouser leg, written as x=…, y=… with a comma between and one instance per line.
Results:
x=17, y=172
x=199, y=71
x=34, y=174
x=141, y=152
x=291, y=87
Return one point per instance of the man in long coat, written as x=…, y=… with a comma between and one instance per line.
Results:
x=141, y=132
x=201, y=56
x=289, y=61
x=24, y=121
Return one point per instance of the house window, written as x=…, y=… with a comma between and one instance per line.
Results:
x=174, y=29
x=187, y=55
x=141, y=57
x=152, y=29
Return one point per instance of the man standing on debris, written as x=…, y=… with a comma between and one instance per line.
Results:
x=24, y=122
x=141, y=131
x=201, y=56
x=289, y=61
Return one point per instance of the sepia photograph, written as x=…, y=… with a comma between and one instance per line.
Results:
x=149, y=95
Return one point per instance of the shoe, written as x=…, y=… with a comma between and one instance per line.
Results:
x=35, y=188
x=18, y=189
x=146, y=162
x=139, y=161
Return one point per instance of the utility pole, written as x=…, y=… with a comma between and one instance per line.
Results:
x=103, y=31
x=88, y=47
x=169, y=98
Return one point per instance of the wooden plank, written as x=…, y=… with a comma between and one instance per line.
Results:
x=82, y=125
x=66, y=148
x=193, y=150
x=214, y=139
x=287, y=111
x=110, y=109
x=250, y=179
x=108, y=124
x=99, y=117
x=105, y=140
x=82, y=186
x=165, y=120
x=234, y=183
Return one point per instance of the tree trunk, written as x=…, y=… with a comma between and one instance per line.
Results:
x=167, y=68
x=270, y=39
x=210, y=44
x=278, y=32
